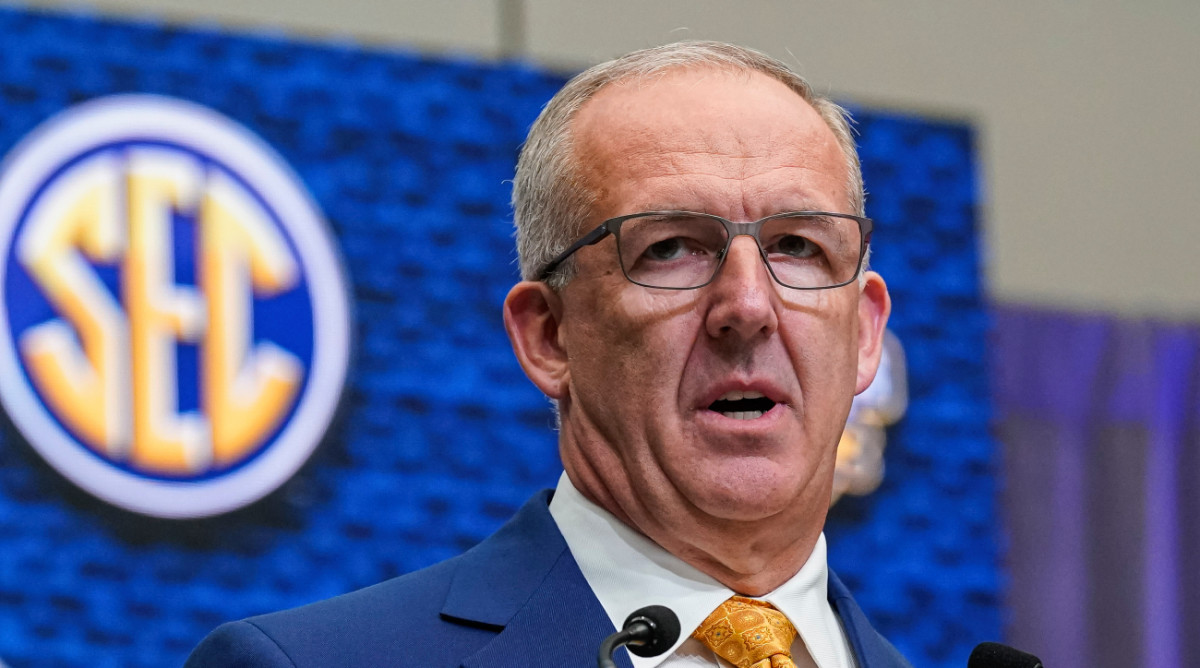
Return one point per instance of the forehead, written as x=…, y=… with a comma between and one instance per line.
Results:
x=734, y=143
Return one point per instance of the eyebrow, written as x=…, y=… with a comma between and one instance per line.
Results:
x=801, y=205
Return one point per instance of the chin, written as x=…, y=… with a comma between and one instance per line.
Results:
x=745, y=510
x=747, y=493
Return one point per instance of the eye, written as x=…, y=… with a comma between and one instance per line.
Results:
x=667, y=249
x=796, y=246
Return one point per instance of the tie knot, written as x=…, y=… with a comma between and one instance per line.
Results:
x=748, y=634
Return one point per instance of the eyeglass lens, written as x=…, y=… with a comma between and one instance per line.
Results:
x=682, y=251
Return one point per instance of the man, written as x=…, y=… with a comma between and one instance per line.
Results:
x=695, y=301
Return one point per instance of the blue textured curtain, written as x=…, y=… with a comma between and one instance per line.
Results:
x=1098, y=421
x=441, y=436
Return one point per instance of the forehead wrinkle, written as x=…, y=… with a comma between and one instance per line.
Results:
x=727, y=168
x=695, y=194
x=669, y=136
x=664, y=148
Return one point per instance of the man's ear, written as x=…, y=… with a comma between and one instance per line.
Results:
x=532, y=317
x=874, y=306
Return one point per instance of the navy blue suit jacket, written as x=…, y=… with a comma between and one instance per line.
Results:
x=517, y=599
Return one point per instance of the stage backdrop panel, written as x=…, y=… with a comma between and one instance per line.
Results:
x=440, y=437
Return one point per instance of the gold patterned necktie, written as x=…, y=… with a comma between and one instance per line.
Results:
x=749, y=634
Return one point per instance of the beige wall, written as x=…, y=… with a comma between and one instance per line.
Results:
x=1089, y=111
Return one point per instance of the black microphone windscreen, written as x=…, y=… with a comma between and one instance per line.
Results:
x=995, y=655
x=665, y=630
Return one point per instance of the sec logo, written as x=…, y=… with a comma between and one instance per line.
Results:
x=174, y=333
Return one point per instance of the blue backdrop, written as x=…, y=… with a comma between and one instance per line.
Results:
x=440, y=436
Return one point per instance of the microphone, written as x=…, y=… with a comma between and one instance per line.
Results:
x=649, y=631
x=995, y=655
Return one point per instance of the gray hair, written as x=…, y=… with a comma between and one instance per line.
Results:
x=551, y=201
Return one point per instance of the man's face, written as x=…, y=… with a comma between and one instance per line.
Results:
x=643, y=369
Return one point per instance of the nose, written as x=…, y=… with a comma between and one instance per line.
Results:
x=742, y=296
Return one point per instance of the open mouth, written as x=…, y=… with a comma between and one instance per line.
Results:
x=742, y=405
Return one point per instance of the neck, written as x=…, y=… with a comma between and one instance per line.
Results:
x=750, y=572
x=751, y=557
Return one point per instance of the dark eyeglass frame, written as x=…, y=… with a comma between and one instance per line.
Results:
x=613, y=226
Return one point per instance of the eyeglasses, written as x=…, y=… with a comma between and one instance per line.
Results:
x=682, y=250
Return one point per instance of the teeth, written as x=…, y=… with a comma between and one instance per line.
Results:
x=744, y=415
x=738, y=394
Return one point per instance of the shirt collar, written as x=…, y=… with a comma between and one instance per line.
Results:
x=626, y=571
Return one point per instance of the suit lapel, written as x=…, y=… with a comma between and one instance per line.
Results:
x=561, y=625
x=870, y=648
x=524, y=583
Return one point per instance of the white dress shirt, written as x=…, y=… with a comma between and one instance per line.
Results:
x=627, y=571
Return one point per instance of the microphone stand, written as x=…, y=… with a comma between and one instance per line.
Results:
x=649, y=631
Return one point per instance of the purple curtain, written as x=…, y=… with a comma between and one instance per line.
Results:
x=1098, y=421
